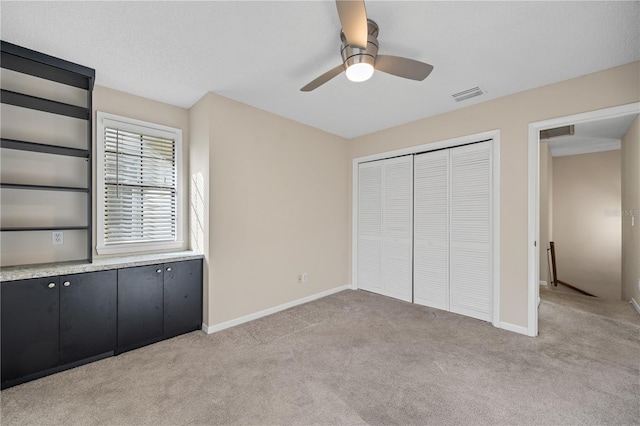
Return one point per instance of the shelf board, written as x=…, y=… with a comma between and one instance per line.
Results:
x=42, y=187
x=27, y=61
x=46, y=105
x=45, y=228
x=44, y=148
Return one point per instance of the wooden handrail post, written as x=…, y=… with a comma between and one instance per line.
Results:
x=555, y=273
x=553, y=263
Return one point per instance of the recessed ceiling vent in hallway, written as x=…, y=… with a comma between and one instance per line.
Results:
x=467, y=94
x=557, y=131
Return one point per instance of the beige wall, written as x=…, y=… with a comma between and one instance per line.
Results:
x=512, y=115
x=586, y=206
x=546, y=209
x=131, y=106
x=631, y=206
x=199, y=206
x=277, y=194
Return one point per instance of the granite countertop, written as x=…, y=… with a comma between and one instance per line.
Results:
x=12, y=273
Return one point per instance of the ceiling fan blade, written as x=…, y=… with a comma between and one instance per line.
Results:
x=403, y=67
x=353, y=18
x=323, y=78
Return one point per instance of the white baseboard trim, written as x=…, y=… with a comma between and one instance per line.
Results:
x=635, y=305
x=544, y=283
x=246, y=318
x=515, y=328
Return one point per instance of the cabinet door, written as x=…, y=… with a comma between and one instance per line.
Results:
x=140, y=306
x=30, y=315
x=182, y=297
x=87, y=315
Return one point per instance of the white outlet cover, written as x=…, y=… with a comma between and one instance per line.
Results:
x=57, y=237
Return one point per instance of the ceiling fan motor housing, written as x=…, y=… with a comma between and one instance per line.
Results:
x=352, y=55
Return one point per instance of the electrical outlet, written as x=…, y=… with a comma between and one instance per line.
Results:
x=57, y=238
x=638, y=283
x=300, y=279
x=305, y=278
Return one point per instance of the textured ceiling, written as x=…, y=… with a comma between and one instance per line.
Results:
x=593, y=136
x=261, y=53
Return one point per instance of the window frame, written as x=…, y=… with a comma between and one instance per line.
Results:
x=152, y=129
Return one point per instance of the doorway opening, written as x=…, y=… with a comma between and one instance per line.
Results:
x=593, y=133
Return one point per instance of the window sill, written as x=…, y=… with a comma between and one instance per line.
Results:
x=130, y=248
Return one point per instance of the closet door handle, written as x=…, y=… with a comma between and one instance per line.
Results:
x=169, y=269
x=51, y=285
x=158, y=270
x=66, y=284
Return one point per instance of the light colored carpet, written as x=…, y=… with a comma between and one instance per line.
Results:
x=358, y=358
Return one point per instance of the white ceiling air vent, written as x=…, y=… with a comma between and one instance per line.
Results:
x=466, y=94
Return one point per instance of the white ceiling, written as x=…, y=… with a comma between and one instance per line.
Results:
x=261, y=53
x=593, y=136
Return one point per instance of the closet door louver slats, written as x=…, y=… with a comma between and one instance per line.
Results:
x=370, y=226
x=425, y=229
x=471, y=231
x=397, y=222
x=431, y=230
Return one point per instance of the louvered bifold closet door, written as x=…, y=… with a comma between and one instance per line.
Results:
x=471, y=231
x=431, y=230
x=370, y=226
x=397, y=228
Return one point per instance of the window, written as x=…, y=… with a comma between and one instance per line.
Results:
x=139, y=184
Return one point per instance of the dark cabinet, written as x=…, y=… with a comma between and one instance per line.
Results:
x=30, y=315
x=158, y=301
x=55, y=323
x=182, y=297
x=87, y=315
x=50, y=322
x=140, y=306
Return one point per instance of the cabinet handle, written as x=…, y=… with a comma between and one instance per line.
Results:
x=66, y=284
x=51, y=285
x=169, y=269
x=158, y=270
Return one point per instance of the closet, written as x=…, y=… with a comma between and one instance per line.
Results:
x=425, y=229
x=385, y=222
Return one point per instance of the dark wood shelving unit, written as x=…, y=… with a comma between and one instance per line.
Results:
x=45, y=105
x=45, y=228
x=44, y=148
x=40, y=65
x=43, y=187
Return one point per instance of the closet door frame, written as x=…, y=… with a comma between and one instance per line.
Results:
x=494, y=136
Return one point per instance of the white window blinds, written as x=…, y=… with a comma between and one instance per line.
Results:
x=140, y=182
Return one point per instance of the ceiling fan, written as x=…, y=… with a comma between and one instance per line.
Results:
x=359, y=50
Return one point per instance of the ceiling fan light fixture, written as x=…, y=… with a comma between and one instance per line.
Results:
x=360, y=58
x=361, y=71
